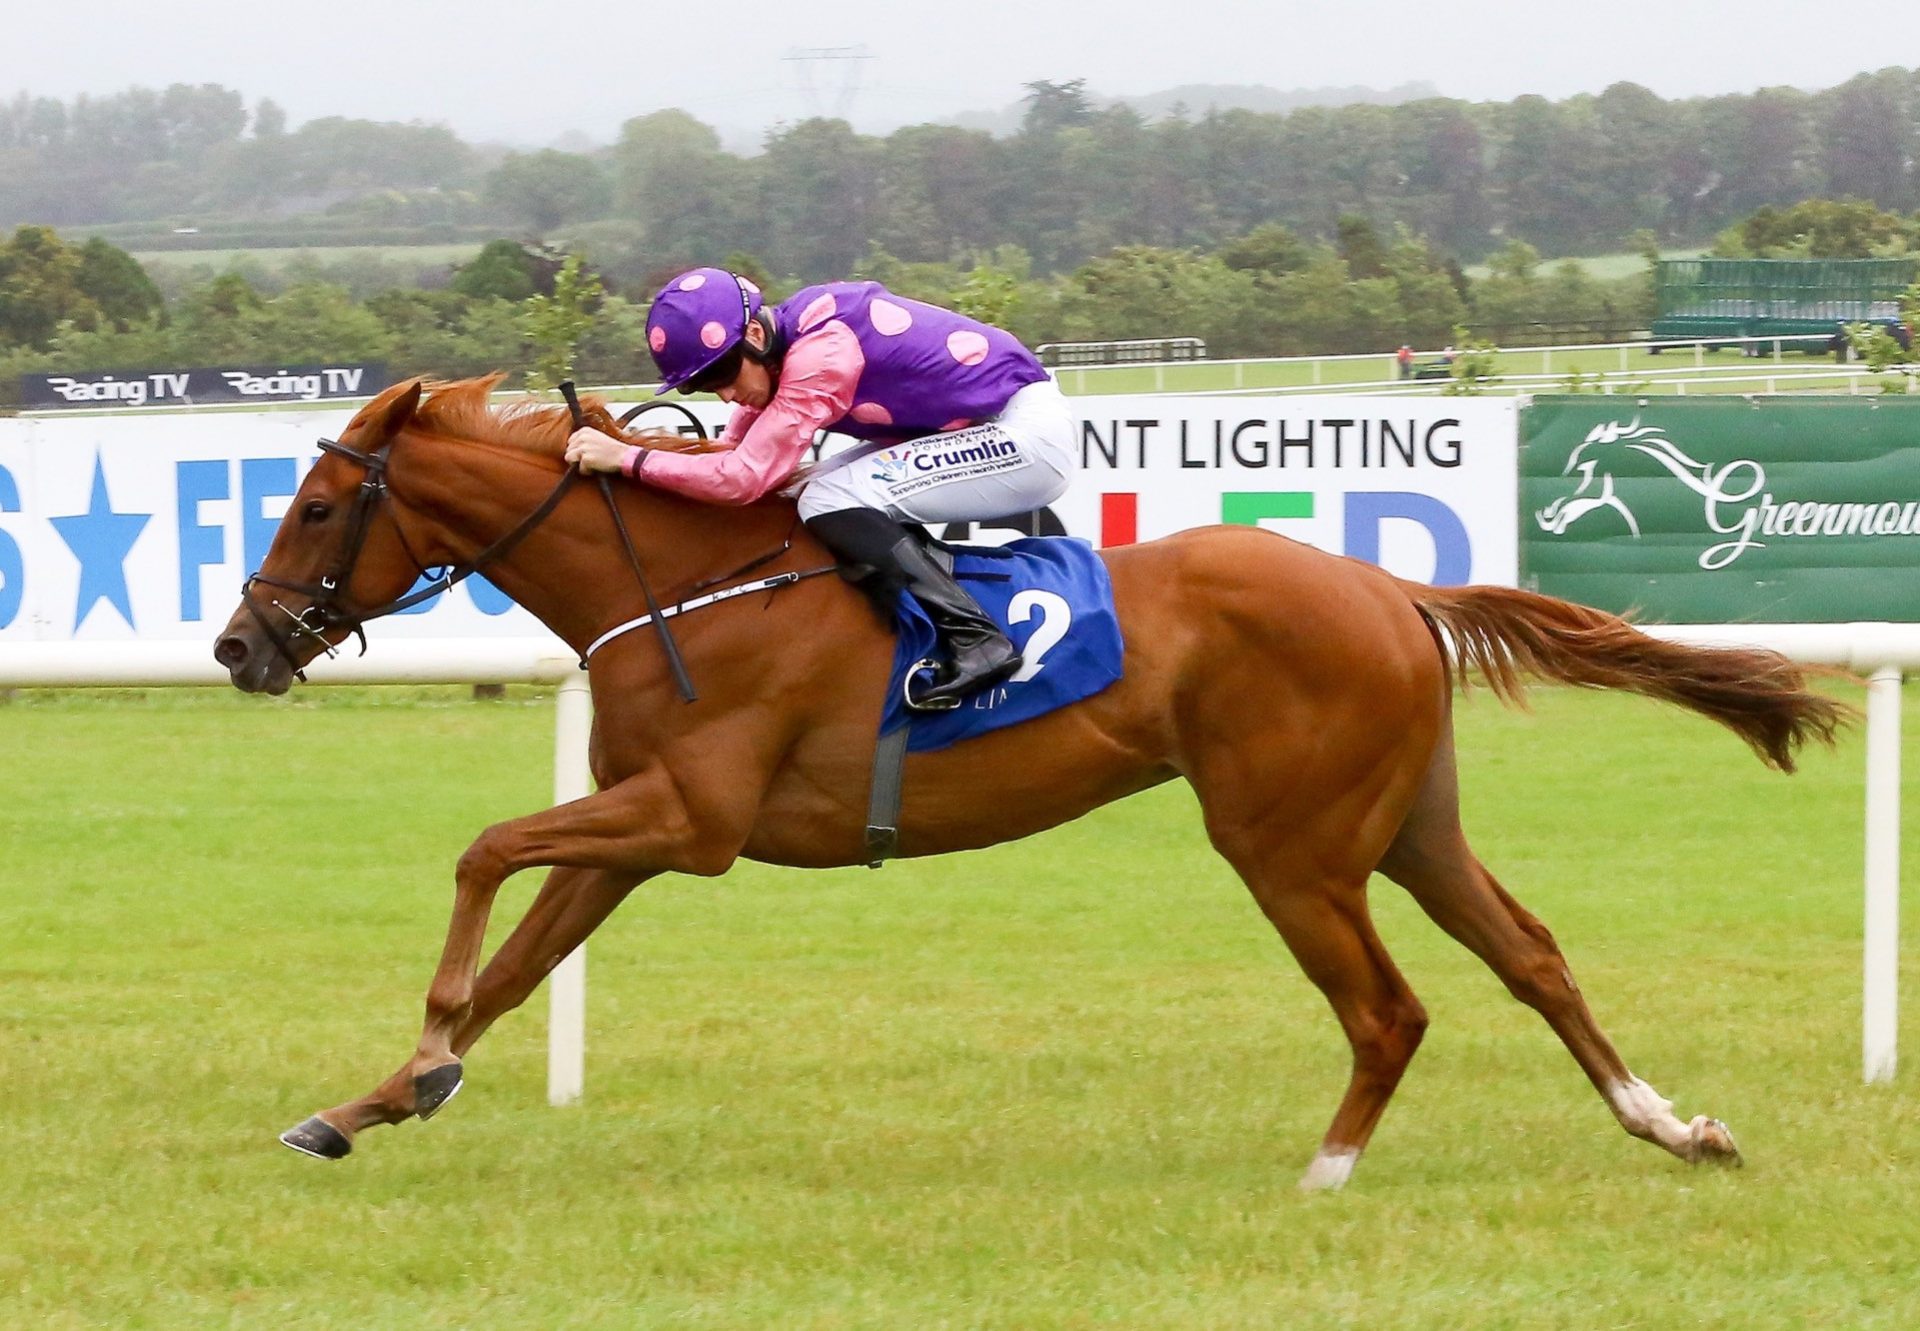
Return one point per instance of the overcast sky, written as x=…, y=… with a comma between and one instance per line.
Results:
x=527, y=73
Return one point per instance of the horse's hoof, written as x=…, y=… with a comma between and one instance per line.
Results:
x=1713, y=1144
x=434, y=1087
x=317, y=1138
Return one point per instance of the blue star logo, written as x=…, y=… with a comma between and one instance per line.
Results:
x=100, y=539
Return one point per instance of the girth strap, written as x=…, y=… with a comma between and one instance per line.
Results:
x=883, y=796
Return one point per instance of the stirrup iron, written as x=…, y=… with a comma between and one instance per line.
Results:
x=927, y=664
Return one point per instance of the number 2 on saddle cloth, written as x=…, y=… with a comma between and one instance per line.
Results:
x=1053, y=597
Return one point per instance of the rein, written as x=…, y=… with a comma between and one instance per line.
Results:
x=681, y=680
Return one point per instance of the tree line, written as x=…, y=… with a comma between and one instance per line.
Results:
x=1578, y=175
x=68, y=306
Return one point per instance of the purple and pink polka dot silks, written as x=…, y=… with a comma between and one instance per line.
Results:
x=927, y=370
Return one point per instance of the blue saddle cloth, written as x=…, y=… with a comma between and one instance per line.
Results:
x=1053, y=597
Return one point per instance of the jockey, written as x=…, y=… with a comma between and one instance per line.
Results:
x=961, y=424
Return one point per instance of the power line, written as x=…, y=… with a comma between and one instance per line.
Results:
x=844, y=63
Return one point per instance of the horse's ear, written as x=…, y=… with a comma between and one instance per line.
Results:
x=375, y=424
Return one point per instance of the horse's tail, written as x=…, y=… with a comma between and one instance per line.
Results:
x=1504, y=634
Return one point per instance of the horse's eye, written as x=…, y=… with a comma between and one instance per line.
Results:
x=317, y=510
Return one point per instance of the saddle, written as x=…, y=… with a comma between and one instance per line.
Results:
x=1052, y=596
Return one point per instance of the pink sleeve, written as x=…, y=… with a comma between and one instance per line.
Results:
x=816, y=388
x=737, y=424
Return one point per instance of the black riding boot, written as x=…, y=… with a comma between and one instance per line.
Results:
x=882, y=559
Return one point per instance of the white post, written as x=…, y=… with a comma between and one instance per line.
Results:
x=1879, y=1025
x=567, y=986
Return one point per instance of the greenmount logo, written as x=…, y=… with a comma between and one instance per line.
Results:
x=1733, y=496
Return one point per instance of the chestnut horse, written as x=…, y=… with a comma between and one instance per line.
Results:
x=1305, y=697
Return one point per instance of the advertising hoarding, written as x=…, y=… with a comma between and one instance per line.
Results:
x=1725, y=510
x=143, y=526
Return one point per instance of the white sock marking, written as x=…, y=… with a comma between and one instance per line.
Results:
x=1643, y=1112
x=1329, y=1170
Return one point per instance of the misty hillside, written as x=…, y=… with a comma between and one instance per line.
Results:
x=197, y=167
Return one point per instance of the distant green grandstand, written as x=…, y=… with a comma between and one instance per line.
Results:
x=1804, y=299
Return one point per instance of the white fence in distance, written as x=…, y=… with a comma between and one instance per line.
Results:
x=1081, y=379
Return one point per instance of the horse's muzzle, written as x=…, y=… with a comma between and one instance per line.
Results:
x=252, y=663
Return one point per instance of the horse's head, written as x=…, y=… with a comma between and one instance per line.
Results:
x=334, y=557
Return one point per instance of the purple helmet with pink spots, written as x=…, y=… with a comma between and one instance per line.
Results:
x=696, y=319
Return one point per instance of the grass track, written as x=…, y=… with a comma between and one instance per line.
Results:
x=1068, y=1083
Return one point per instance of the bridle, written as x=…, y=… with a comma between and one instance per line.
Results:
x=327, y=607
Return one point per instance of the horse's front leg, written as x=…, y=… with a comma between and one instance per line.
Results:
x=571, y=904
x=627, y=832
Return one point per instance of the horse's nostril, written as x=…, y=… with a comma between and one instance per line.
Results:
x=231, y=651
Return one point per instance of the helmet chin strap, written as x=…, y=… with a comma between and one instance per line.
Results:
x=771, y=354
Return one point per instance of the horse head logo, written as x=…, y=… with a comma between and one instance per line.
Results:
x=1596, y=458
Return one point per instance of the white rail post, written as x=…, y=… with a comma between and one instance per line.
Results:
x=567, y=986
x=1880, y=1013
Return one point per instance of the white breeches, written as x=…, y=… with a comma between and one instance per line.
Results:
x=1020, y=460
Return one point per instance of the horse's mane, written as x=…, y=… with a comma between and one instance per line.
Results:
x=464, y=409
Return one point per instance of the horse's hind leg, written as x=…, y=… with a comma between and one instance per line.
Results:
x=1430, y=858
x=1324, y=923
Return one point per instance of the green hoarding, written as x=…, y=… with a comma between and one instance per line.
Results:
x=1723, y=510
